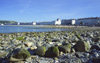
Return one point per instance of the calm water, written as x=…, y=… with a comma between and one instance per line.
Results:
x=13, y=29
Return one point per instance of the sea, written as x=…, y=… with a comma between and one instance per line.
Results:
x=16, y=29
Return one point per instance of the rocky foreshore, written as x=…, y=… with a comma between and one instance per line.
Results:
x=51, y=47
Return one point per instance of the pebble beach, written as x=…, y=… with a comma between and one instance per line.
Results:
x=80, y=45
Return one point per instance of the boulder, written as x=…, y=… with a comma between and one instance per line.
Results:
x=40, y=51
x=21, y=54
x=52, y=52
x=82, y=46
x=65, y=48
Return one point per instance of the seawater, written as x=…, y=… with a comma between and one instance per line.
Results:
x=15, y=29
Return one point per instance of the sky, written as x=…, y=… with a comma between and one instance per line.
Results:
x=47, y=10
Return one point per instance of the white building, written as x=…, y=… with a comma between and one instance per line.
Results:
x=18, y=23
x=34, y=23
x=73, y=22
x=58, y=22
x=2, y=24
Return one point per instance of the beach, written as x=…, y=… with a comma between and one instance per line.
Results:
x=80, y=45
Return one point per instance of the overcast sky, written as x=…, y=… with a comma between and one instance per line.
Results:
x=47, y=10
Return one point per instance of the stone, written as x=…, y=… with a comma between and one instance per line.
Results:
x=3, y=54
x=21, y=54
x=65, y=48
x=20, y=38
x=72, y=50
x=15, y=60
x=52, y=52
x=33, y=47
x=95, y=47
x=28, y=44
x=82, y=46
x=96, y=39
x=40, y=51
x=55, y=40
x=96, y=60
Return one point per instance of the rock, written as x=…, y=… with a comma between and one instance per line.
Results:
x=20, y=38
x=58, y=44
x=95, y=47
x=78, y=36
x=82, y=46
x=51, y=43
x=21, y=54
x=86, y=54
x=33, y=47
x=65, y=48
x=96, y=60
x=70, y=59
x=40, y=51
x=72, y=50
x=52, y=52
x=55, y=40
x=96, y=39
x=28, y=44
x=3, y=54
x=79, y=54
x=15, y=60
x=38, y=44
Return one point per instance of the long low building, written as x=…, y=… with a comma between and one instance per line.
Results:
x=93, y=21
x=68, y=22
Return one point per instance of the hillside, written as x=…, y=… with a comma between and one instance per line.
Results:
x=7, y=22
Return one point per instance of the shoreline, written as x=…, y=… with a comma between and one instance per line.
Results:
x=36, y=46
x=70, y=28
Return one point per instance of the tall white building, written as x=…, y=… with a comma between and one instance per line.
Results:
x=73, y=22
x=2, y=24
x=18, y=23
x=58, y=22
x=34, y=23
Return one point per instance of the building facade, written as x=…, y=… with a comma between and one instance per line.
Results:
x=58, y=22
x=95, y=21
x=73, y=22
x=33, y=23
x=68, y=22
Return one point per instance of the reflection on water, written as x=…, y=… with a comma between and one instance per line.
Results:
x=12, y=29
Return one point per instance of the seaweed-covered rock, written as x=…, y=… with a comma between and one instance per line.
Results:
x=22, y=54
x=40, y=51
x=52, y=52
x=82, y=46
x=65, y=48
x=20, y=38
